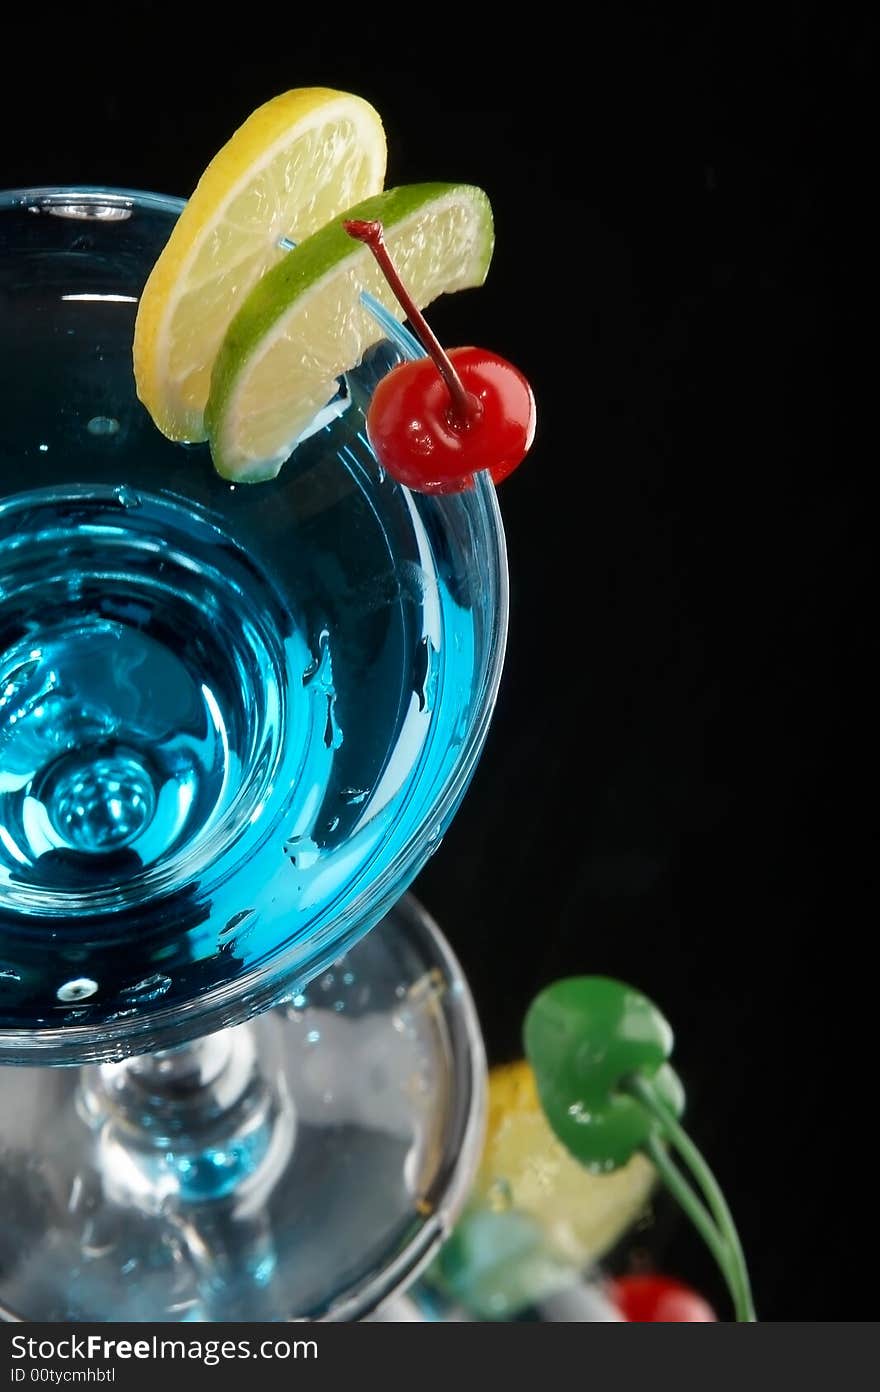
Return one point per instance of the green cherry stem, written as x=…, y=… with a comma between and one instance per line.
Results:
x=720, y=1235
x=685, y=1195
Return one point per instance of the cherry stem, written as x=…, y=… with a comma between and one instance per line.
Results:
x=715, y=1215
x=466, y=408
x=696, y=1210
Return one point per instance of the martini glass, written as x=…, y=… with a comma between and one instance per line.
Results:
x=234, y=723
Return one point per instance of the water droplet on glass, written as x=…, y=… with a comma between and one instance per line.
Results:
x=302, y=851
x=349, y=978
x=425, y=675
x=319, y=677
x=402, y=1023
x=332, y=730
x=313, y=1036
x=151, y=988
x=354, y=796
x=235, y=921
x=126, y=497
x=320, y=669
x=328, y=981
x=80, y=989
x=102, y=425
x=428, y=988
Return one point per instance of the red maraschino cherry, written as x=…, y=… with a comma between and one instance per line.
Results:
x=653, y=1299
x=436, y=422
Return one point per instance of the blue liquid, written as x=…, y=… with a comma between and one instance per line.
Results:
x=225, y=713
x=176, y=740
x=124, y=723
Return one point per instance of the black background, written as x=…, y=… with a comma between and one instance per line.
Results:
x=670, y=787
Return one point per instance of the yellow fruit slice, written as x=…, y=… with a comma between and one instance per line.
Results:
x=527, y=1170
x=297, y=161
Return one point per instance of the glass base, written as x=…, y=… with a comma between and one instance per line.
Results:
x=583, y=1301
x=304, y=1165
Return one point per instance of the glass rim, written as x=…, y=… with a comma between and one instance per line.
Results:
x=119, y=197
x=266, y=984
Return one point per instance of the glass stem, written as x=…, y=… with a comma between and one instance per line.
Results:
x=186, y=1066
x=190, y=1086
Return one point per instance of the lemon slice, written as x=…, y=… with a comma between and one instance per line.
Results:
x=525, y=1169
x=296, y=162
x=304, y=324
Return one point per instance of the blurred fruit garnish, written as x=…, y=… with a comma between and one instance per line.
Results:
x=599, y=1049
x=586, y=1037
x=653, y=1299
x=525, y=1167
x=536, y=1219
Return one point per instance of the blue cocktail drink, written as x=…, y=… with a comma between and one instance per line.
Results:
x=226, y=713
x=234, y=722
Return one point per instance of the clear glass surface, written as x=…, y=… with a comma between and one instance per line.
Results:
x=307, y=1164
x=234, y=721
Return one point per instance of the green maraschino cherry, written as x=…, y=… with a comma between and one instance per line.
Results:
x=585, y=1038
x=436, y=421
x=599, y=1052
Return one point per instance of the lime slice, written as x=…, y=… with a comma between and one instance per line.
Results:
x=526, y=1170
x=297, y=161
x=304, y=324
